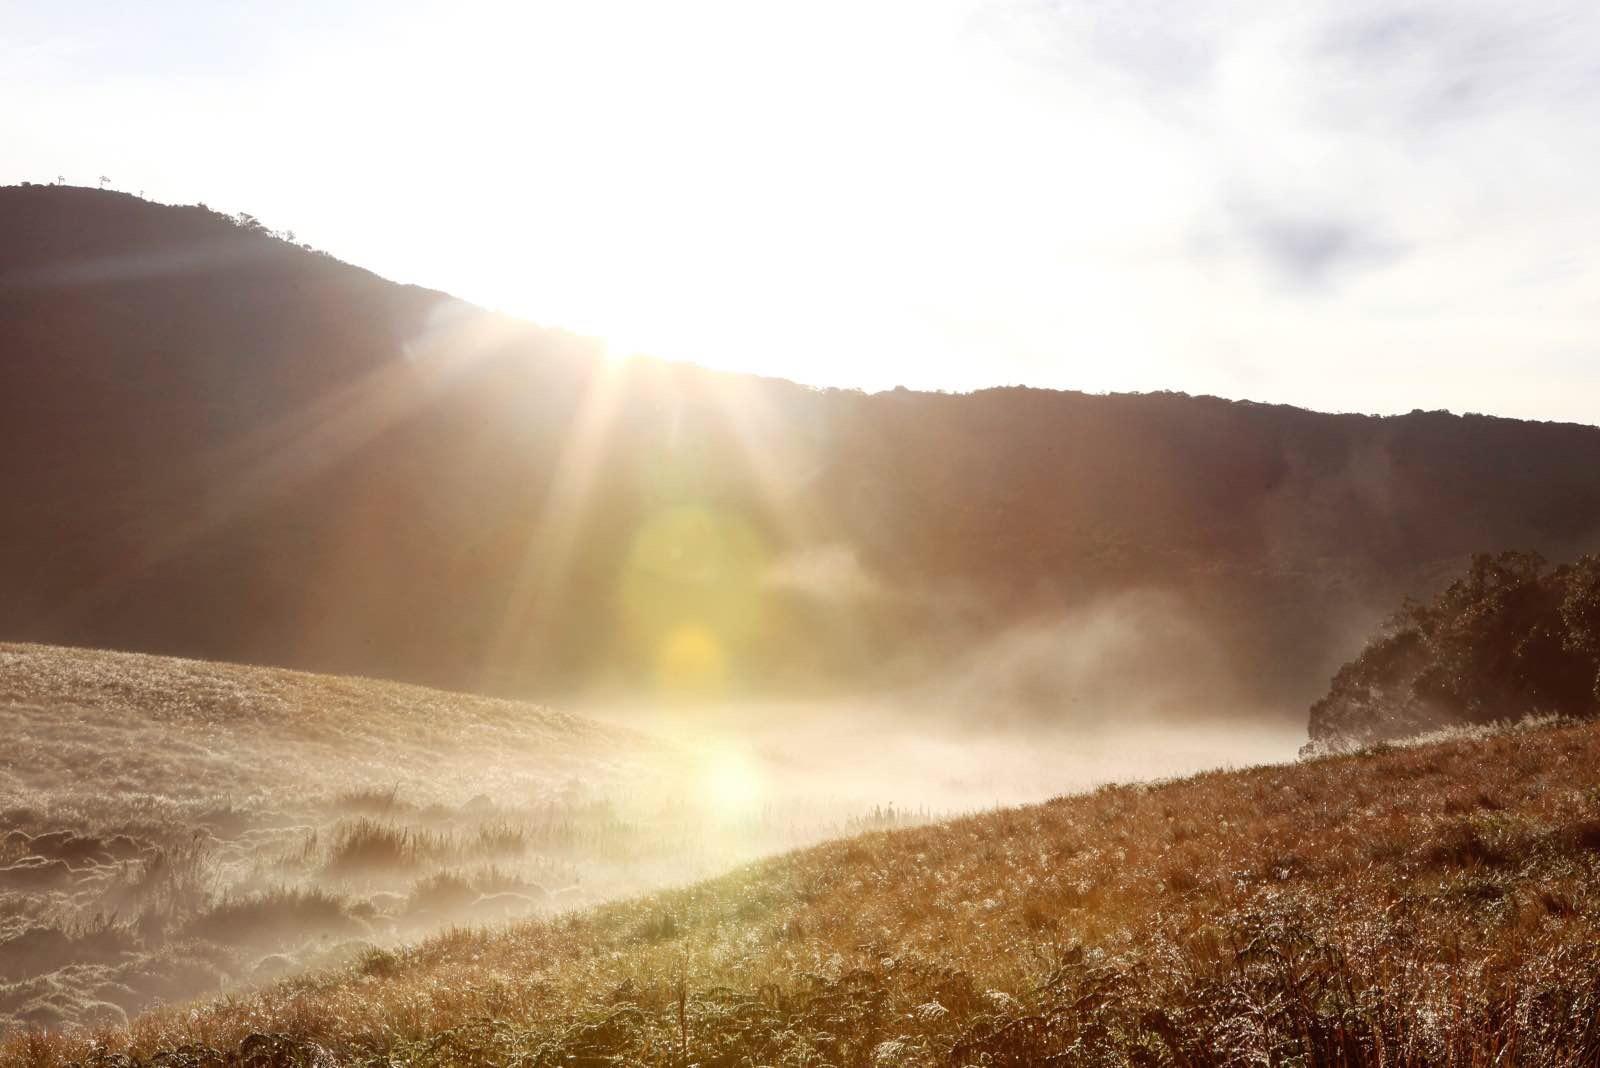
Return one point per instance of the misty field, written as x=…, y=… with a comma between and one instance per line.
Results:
x=171, y=828
x=1432, y=904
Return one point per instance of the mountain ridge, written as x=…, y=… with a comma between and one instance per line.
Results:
x=233, y=447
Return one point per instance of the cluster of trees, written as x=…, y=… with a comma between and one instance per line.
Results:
x=250, y=224
x=243, y=220
x=1512, y=638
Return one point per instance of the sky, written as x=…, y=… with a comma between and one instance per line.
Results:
x=1339, y=204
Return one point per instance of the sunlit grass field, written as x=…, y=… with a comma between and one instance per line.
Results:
x=1433, y=904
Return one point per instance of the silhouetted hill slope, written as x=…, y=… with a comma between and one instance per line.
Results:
x=223, y=445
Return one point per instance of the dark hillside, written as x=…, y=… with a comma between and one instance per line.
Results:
x=221, y=444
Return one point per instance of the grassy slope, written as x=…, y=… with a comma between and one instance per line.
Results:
x=175, y=829
x=1436, y=904
x=162, y=738
x=172, y=828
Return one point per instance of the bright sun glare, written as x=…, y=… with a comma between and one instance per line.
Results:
x=730, y=782
x=680, y=219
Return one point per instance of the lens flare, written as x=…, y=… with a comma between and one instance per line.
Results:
x=691, y=661
x=690, y=597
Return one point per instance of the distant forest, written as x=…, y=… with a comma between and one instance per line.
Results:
x=222, y=444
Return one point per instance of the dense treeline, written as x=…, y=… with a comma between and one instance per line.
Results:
x=222, y=444
x=1512, y=638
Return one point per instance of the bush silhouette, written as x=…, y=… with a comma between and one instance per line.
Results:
x=1512, y=638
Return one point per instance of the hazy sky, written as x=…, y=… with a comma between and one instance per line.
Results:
x=1344, y=205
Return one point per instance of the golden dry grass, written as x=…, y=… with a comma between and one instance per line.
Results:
x=1428, y=905
x=163, y=738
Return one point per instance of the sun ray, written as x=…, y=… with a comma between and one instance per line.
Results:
x=542, y=576
x=222, y=487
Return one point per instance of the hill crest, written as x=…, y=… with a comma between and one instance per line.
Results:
x=227, y=446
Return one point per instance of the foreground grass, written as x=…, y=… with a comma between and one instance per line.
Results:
x=1429, y=905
